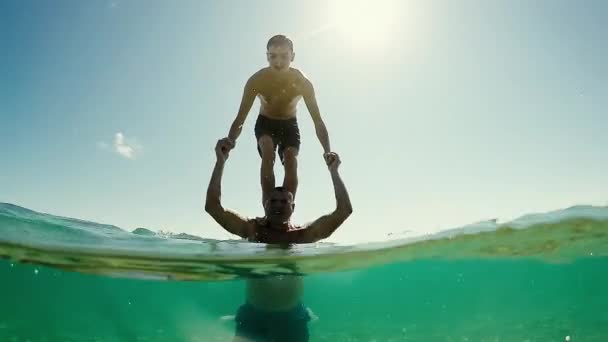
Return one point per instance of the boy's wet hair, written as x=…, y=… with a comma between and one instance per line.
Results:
x=280, y=40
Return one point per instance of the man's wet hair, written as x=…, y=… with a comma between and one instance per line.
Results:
x=283, y=190
x=280, y=40
x=280, y=189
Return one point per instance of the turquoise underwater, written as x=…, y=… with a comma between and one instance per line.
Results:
x=541, y=277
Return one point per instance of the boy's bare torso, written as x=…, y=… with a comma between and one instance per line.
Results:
x=279, y=92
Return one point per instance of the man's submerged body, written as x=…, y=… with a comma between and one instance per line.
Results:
x=273, y=311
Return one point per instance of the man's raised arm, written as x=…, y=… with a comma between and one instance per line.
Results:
x=325, y=225
x=226, y=218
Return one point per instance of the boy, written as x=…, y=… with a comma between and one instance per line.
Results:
x=279, y=88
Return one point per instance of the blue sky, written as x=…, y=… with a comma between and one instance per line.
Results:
x=444, y=113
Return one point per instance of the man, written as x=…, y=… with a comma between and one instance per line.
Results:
x=279, y=88
x=273, y=311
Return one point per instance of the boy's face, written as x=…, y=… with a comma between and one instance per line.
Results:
x=279, y=57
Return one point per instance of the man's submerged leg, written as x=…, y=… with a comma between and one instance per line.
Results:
x=290, y=162
x=250, y=325
x=253, y=325
x=267, y=151
x=291, y=326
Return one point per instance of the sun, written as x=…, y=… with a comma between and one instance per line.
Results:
x=368, y=23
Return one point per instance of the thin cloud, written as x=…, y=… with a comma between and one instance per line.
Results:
x=127, y=148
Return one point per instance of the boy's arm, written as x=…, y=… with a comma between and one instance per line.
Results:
x=311, y=103
x=246, y=103
x=325, y=225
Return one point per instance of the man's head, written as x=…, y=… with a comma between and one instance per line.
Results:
x=279, y=205
x=279, y=52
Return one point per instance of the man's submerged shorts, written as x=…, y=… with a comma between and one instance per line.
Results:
x=277, y=326
x=284, y=133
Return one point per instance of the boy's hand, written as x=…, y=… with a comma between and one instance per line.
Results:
x=222, y=149
x=333, y=161
x=328, y=157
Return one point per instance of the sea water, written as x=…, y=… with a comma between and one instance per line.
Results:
x=543, y=277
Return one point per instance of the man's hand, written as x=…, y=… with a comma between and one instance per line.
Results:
x=222, y=148
x=332, y=160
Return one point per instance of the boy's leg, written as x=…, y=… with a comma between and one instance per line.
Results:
x=289, y=147
x=290, y=162
x=267, y=151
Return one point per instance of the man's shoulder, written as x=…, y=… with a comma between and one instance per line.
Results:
x=258, y=221
x=261, y=223
x=302, y=234
x=297, y=228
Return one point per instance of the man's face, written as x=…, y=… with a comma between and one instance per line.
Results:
x=279, y=57
x=279, y=206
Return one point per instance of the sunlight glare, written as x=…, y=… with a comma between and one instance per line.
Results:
x=367, y=24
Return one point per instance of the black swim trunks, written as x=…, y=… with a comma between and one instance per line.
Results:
x=284, y=133
x=258, y=325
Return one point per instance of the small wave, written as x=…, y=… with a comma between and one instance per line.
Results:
x=28, y=236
